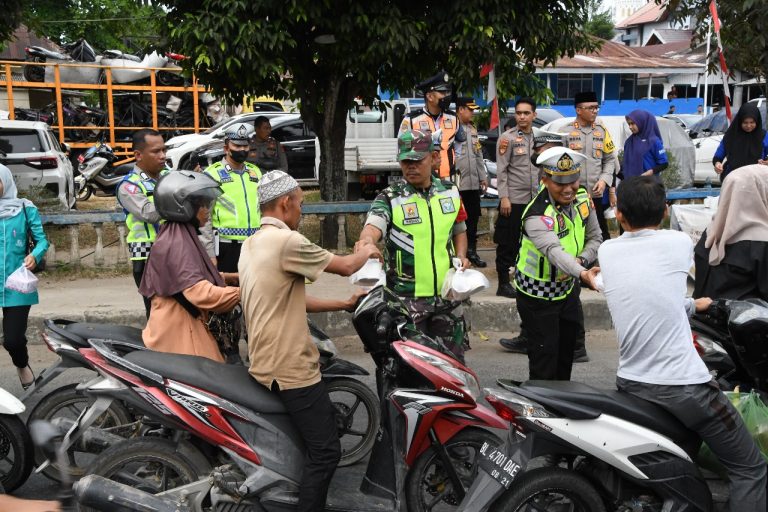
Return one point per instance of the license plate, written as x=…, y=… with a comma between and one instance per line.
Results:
x=504, y=463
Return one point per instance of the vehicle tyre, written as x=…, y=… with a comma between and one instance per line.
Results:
x=67, y=402
x=150, y=464
x=427, y=485
x=34, y=73
x=85, y=194
x=542, y=488
x=16, y=456
x=357, y=425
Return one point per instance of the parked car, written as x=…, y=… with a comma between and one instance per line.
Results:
x=684, y=120
x=179, y=149
x=36, y=159
x=297, y=141
x=489, y=138
x=676, y=141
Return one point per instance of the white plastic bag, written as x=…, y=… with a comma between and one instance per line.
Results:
x=22, y=281
x=459, y=283
x=371, y=274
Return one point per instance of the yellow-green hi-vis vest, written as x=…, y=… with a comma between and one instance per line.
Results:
x=237, y=215
x=141, y=235
x=536, y=276
x=419, y=246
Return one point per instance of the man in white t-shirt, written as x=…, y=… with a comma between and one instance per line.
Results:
x=644, y=272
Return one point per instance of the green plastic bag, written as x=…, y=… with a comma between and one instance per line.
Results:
x=755, y=415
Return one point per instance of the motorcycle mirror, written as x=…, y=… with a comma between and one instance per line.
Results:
x=44, y=435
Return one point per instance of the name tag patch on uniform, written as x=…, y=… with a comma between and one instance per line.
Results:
x=253, y=176
x=560, y=223
x=583, y=209
x=424, y=126
x=224, y=176
x=446, y=204
x=563, y=233
x=411, y=213
x=548, y=221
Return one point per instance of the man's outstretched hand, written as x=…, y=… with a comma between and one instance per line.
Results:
x=588, y=277
x=702, y=304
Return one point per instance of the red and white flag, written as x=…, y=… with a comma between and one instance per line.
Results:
x=723, y=66
x=487, y=70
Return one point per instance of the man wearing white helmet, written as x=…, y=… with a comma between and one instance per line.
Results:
x=236, y=215
x=560, y=238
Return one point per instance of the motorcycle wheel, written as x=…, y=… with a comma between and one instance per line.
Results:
x=167, y=79
x=151, y=465
x=67, y=402
x=550, y=489
x=85, y=194
x=357, y=426
x=16, y=454
x=34, y=73
x=428, y=486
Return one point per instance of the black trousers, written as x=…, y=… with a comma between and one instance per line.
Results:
x=313, y=415
x=138, y=273
x=15, y=334
x=229, y=256
x=471, y=200
x=506, y=235
x=552, y=327
x=600, y=211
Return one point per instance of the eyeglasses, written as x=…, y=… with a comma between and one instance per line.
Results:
x=593, y=108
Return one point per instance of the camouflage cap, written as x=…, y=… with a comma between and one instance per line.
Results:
x=414, y=145
x=562, y=165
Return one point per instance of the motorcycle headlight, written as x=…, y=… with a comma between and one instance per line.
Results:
x=469, y=383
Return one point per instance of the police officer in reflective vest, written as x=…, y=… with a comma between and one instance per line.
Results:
x=135, y=195
x=421, y=221
x=560, y=238
x=236, y=214
x=436, y=116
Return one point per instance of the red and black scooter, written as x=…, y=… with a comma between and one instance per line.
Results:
x=241, y=451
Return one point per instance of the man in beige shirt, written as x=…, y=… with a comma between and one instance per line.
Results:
x=273, y=267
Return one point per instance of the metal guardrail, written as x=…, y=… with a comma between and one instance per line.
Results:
x=341, y=209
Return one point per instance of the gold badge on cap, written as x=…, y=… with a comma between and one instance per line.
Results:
x=565, y=163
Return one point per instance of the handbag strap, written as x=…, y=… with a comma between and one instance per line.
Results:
x=29, y=231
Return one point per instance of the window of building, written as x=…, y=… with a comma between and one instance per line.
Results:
x=569, y=85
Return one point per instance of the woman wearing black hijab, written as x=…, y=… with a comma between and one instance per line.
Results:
x=745, y=142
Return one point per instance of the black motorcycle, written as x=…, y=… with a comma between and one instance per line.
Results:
x=79, y=51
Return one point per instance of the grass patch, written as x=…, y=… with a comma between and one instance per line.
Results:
x=66, y=272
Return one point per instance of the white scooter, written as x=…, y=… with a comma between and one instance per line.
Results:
x=623, y=453
x=16, y=453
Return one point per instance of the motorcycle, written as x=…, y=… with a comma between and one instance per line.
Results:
x=97, y=174
x=127, y=68
x=78, y=52
x=355, y=404
x=241, y=451
x=15, y=445
x=620, y=450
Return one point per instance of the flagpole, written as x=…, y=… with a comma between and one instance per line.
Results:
x=706, y=65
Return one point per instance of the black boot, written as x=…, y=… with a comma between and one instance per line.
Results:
x=506, y=290
x=473, y=257
x=518, y=345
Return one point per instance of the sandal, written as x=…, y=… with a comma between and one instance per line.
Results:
x=26, y=386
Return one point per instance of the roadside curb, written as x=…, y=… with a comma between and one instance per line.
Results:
x=482, y=315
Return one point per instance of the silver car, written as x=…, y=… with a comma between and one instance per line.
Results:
x=36, y=159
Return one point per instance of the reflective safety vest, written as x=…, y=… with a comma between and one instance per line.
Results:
x=141, y=235
x=236, y=214
x=419, y=246
x=447, y=122
x=536, y=276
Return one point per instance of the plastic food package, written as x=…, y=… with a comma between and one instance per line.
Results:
x=22, y=281
x=459, y=283
x=371, y=274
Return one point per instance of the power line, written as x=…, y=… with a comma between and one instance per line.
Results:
x=100, y=19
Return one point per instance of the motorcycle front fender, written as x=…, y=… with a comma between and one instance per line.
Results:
x=9, y=404
x=338, y=366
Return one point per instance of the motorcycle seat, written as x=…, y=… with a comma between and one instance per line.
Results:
x=84, y=330
x=231, y=382
x=614, y=403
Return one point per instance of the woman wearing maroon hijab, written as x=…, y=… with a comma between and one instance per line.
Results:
x=180, y=278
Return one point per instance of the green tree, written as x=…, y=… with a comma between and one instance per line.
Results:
x=600, y=23
x=128, y=25
x=743, y=30
x=10, y=20
x=325, y=53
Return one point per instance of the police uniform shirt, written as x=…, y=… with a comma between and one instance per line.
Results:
x=516, y=177
x=469, y=160
x=269, y=155
x=594, y=142
x=130, y=197
x=540, y=230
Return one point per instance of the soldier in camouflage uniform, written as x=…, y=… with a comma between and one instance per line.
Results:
x=421, y=221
